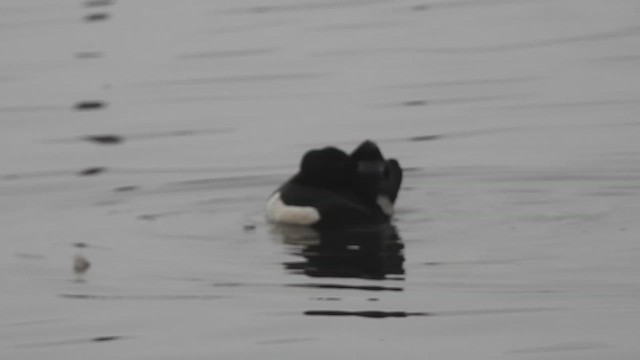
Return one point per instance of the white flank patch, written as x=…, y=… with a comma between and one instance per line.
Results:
x=277, y=211
x=385, y=204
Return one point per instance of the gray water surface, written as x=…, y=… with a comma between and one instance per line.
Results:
x=145, y=137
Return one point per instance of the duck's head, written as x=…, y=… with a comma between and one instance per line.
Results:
x=367, y=151
x=327, y=167
x=371, y=166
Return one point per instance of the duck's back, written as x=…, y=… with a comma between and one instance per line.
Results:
x=307, y=205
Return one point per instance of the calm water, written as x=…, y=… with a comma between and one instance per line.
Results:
x=145, y=136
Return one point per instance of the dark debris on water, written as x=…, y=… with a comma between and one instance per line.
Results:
x=126, y=188
x=97, y=17
x=106, y=338
x=90, y=105
x=108, y=139
x=375, y=314
x=92, y=171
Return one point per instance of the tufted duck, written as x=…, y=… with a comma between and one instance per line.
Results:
x=333, y=188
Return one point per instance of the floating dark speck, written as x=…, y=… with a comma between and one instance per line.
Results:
x=90, y=105
x=80, y=264
x=106, y=338
x=415, y=103
x=92, y=171
x=97, y=17
x=368, y=314
x=425, y=138
x=249, y=227
x=126, y=188
x=105, y=139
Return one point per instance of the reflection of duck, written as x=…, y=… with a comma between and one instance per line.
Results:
x=372, y=252
x=333, y=188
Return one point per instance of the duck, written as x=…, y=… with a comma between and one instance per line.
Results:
x=333, y=188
